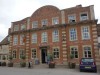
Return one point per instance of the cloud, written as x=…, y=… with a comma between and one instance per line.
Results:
x=3, y=31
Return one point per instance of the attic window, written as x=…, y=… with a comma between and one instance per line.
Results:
x=83, y=16
x=71, y=18
x=44, y=22
x=23, y=27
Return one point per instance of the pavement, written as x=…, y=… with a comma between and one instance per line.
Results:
x=43, y=70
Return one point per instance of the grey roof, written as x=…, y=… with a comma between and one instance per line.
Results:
x=4, y=41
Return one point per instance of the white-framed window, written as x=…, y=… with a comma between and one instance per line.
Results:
x=33, y=53
x=44, y=22
x=72, y=18
x=14, y=54
x=35, y=24
x=34, y=38
x=44, y=37
x=22, y=53
x=23, y=27
x=15, y=40
x=74, y=51
x=87, y=50
x=85, y=32
x=55, y=35
x=55, y=20
x=16, y=27
x=73, y=34
x=83, y=16
x=56, y=53
x=22, y=38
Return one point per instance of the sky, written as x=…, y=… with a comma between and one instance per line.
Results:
x=15, y=10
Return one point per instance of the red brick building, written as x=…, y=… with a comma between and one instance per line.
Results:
x=60, y=32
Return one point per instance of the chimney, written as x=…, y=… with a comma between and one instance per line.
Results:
x=78, y=6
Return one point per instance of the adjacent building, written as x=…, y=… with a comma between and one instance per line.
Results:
x=4, y=49
x=50, y=30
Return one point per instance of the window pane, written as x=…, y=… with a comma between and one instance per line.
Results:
x=56, y=53
x=85, y=33
x=83, y=16
x=55, y=36
x=55, y=21
x=44, y=37
x=35, y=24
x=71, y=18
x=73, y=35
x=74, y=51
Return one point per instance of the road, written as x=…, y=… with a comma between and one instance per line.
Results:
x=42, y=71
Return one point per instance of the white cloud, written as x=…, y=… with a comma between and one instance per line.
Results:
x=3, y=31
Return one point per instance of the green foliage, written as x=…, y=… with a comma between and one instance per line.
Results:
x=23, y=64
x=10, y=57
x=50, y=56
x=71, y=56
x=4, y=58
x=23, y=57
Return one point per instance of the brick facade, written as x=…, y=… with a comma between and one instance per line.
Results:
x=64, y=44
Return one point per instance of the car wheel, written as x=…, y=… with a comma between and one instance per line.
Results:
x=81, y=70
x=95, y=71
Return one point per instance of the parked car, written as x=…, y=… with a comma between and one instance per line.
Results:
x=87, y=64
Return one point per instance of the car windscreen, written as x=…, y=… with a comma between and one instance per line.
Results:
x=87, y=60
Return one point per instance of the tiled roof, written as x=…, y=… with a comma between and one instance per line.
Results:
x=4, y=41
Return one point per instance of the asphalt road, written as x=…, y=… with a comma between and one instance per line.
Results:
x=42, y=71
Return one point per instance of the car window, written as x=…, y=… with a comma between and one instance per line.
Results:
x=87, y=60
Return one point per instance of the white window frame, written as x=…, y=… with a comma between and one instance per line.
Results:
x=35, y=24
x=73, y=37
x=70, y=18
x=15, y=39
x=32, y=53
x=14, y=55
x=74, y=51
x=44, y=37
x=44, y=22
x=55, y=20
x=83, y=33
x=56, y=51
x=88, y=50
x=34, y=38
x=21, y=53
x=16, y=27
x=55, y=36
x=81, y=19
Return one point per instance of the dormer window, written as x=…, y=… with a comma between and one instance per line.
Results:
x=16, y=27
x=23, y=27
x=72, y=18
x=44, y=22
x=35, y=24
x=83, y=16
x=55, y=20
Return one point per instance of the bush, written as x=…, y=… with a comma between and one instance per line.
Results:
x=3, y=64
x=23, y=64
